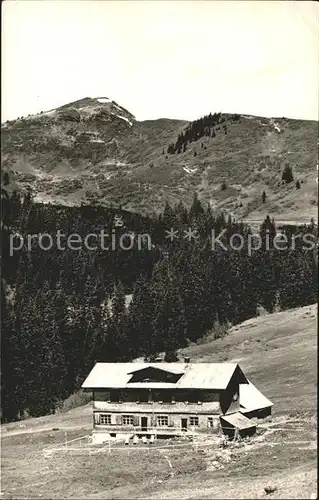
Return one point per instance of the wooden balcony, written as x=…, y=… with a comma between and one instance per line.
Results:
x=137, y=430
x=212, y=407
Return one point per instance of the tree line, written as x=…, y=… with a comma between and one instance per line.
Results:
x=203, y=127
x=62, y=311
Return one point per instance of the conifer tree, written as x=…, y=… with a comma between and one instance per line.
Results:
x=117, y=327
x=287, y=175
x=169, y=320
x=196, y=210
x=140, y=316
x=12, y=362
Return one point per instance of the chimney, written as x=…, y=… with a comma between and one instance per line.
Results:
x=187, y=360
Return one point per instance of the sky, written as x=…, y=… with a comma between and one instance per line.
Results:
x=174, y=59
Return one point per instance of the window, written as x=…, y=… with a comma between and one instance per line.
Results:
x=210, y=422
x=105, y=419
x=127, y=420
x=193, y=421
x=162, y=420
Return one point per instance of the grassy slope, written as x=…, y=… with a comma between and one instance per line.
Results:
x=125, y=164
x=277, y=352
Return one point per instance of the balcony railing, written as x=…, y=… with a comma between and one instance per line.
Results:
x=134, y=429
x=158, y=407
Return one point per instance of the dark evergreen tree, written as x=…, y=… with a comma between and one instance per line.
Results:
x=64, y=310
x=287, y=175
x=196, y=209
x=169, y=319
x=171, y=357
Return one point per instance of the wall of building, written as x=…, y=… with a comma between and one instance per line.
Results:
x=230, y=431
x=229, y=399
x=205, y=421
x=155, y=395
x=261, y=413
x=149, y=408
x=173, y=404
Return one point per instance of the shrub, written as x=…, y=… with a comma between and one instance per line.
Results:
x=297, y=185
x=75, y=400
x=5, y=178
x=261, y=311
x=223, y=186
x=220, y=330
x=287, y=175
x=170, y=357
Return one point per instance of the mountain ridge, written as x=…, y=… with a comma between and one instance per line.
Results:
x=93, y=150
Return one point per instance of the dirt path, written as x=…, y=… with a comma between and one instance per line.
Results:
x=44, y=428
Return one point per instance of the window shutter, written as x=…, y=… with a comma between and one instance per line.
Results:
x=96, y=418
x=118, y=419
x=136, y=420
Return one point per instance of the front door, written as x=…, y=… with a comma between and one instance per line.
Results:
x=144, y=423
x=184, y=424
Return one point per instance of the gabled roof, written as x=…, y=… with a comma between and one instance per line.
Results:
x=163, y=367
x=238, y=420
x=251, y=398
x=215, y=376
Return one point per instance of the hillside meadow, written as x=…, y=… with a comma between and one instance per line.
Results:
x=278, y=354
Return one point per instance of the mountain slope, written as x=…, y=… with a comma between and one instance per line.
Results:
x=95, y=150
x=278, y=354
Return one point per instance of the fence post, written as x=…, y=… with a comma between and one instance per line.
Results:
x=236, y=434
